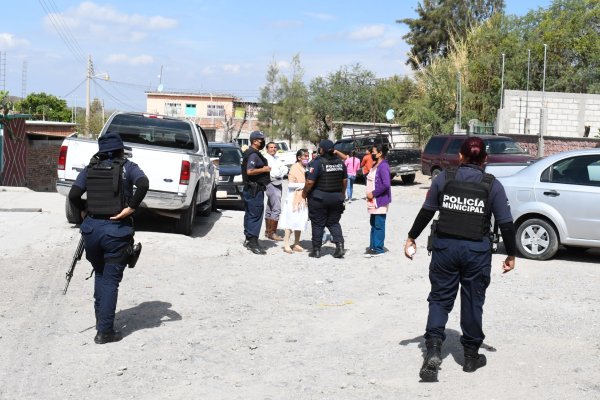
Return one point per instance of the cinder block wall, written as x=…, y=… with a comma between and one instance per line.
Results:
x=42, y=159
x=567, y=113
x=554, y=144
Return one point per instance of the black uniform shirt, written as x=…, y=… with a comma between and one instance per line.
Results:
x=471, y=173
x=254, y=162
x=315, y=170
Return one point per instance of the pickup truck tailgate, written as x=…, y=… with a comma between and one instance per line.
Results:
x=164, y=175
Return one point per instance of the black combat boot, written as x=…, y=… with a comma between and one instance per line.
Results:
x=252, y=245
x=315, y=252
x=108, y=337
x=473, y=360
x=433, y=360
x=339, y=250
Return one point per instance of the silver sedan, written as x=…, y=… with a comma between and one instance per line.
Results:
x=556, y=201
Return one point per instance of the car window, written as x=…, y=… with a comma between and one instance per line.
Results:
x=153, y=131
x=503, y=146
x=579, y=170
x=454, y=146
x=230, y=156
x=344, y=147
x=434, y=146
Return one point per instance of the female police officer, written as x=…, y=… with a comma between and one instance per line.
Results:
x=107, y=228
x=325, y=189
x=465, y=197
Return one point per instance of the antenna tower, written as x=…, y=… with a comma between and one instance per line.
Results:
x=24, y=80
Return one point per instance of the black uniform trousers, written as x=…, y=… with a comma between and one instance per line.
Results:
x=454, y=262
x=254, y=208
x=105, y=242
x=325, y=210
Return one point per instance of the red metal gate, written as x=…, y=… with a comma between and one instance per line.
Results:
x=14, y=150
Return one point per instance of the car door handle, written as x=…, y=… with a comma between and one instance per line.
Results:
x=551, y=193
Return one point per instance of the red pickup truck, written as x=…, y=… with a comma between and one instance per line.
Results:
x=442, y=152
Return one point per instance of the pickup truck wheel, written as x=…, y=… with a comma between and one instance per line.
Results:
x=185, y=223
x=73, y=214
x=210, y=205
x=537, y=239
x=407, y=179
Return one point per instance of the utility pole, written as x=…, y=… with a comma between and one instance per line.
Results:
x=502, y=85
x=542, y=110
x=90, y=73
x=526, y=124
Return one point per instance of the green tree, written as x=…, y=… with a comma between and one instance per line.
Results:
x=97, y=118
x=5, y=104
x=571, y=31
x=430, y=33
x=44, y=106
x=347, y=94
x=270, y=95
x=292, y=112
x=392, y=93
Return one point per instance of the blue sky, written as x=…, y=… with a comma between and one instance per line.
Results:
x=205, y=46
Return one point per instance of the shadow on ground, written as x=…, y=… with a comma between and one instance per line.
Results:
x=147, y=315
x=149, y=221
x=451, y=346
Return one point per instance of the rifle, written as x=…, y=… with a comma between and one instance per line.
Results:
x=76, y=257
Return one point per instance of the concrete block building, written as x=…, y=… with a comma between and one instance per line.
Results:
x=566, y=114
x=220, y=115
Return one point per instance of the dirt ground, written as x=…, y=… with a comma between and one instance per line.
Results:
x=203, y=318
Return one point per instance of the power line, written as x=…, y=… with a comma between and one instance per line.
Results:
x=70, y=43
x=77, y=87
x=66, y=28
x=127, y=106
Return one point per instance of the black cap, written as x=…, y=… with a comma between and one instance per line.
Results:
x=256, y=135
x=326, y=145
x=111, y=142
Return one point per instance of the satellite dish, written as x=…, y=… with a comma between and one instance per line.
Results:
x=160, y=87
x=389, y=114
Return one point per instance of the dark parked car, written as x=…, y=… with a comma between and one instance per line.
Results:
x=230, y=185
x=442, y=152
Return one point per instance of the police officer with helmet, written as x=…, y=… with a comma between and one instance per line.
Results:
x=461, y=251
x=107, y=227
x=256, y=176
x=325, y=189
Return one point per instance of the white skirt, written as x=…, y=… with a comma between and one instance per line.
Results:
x=290, y=219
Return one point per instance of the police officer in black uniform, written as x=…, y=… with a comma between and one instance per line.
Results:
x=108, y=227
x=461, y=251
x=325, y=189
x=256, y=176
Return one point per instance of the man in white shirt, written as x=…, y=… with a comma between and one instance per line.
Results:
x=273, y=192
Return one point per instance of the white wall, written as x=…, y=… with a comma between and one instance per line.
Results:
x=567, y=114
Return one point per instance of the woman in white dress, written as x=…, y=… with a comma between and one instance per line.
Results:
x=294, y=213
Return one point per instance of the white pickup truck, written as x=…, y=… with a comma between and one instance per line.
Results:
x=173, y=153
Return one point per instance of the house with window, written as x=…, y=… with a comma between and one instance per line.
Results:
x=221, y=116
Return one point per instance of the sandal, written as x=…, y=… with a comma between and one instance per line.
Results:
x=288, y=250
x=298, y=248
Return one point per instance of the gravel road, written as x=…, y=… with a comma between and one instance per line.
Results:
x=203, y=318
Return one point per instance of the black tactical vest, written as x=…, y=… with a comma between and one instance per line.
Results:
x=464, y=207
x=262, y=179
x=105, y=191
x=332, y=178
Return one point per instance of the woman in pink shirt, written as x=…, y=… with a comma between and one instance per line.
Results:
x=352, y=165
